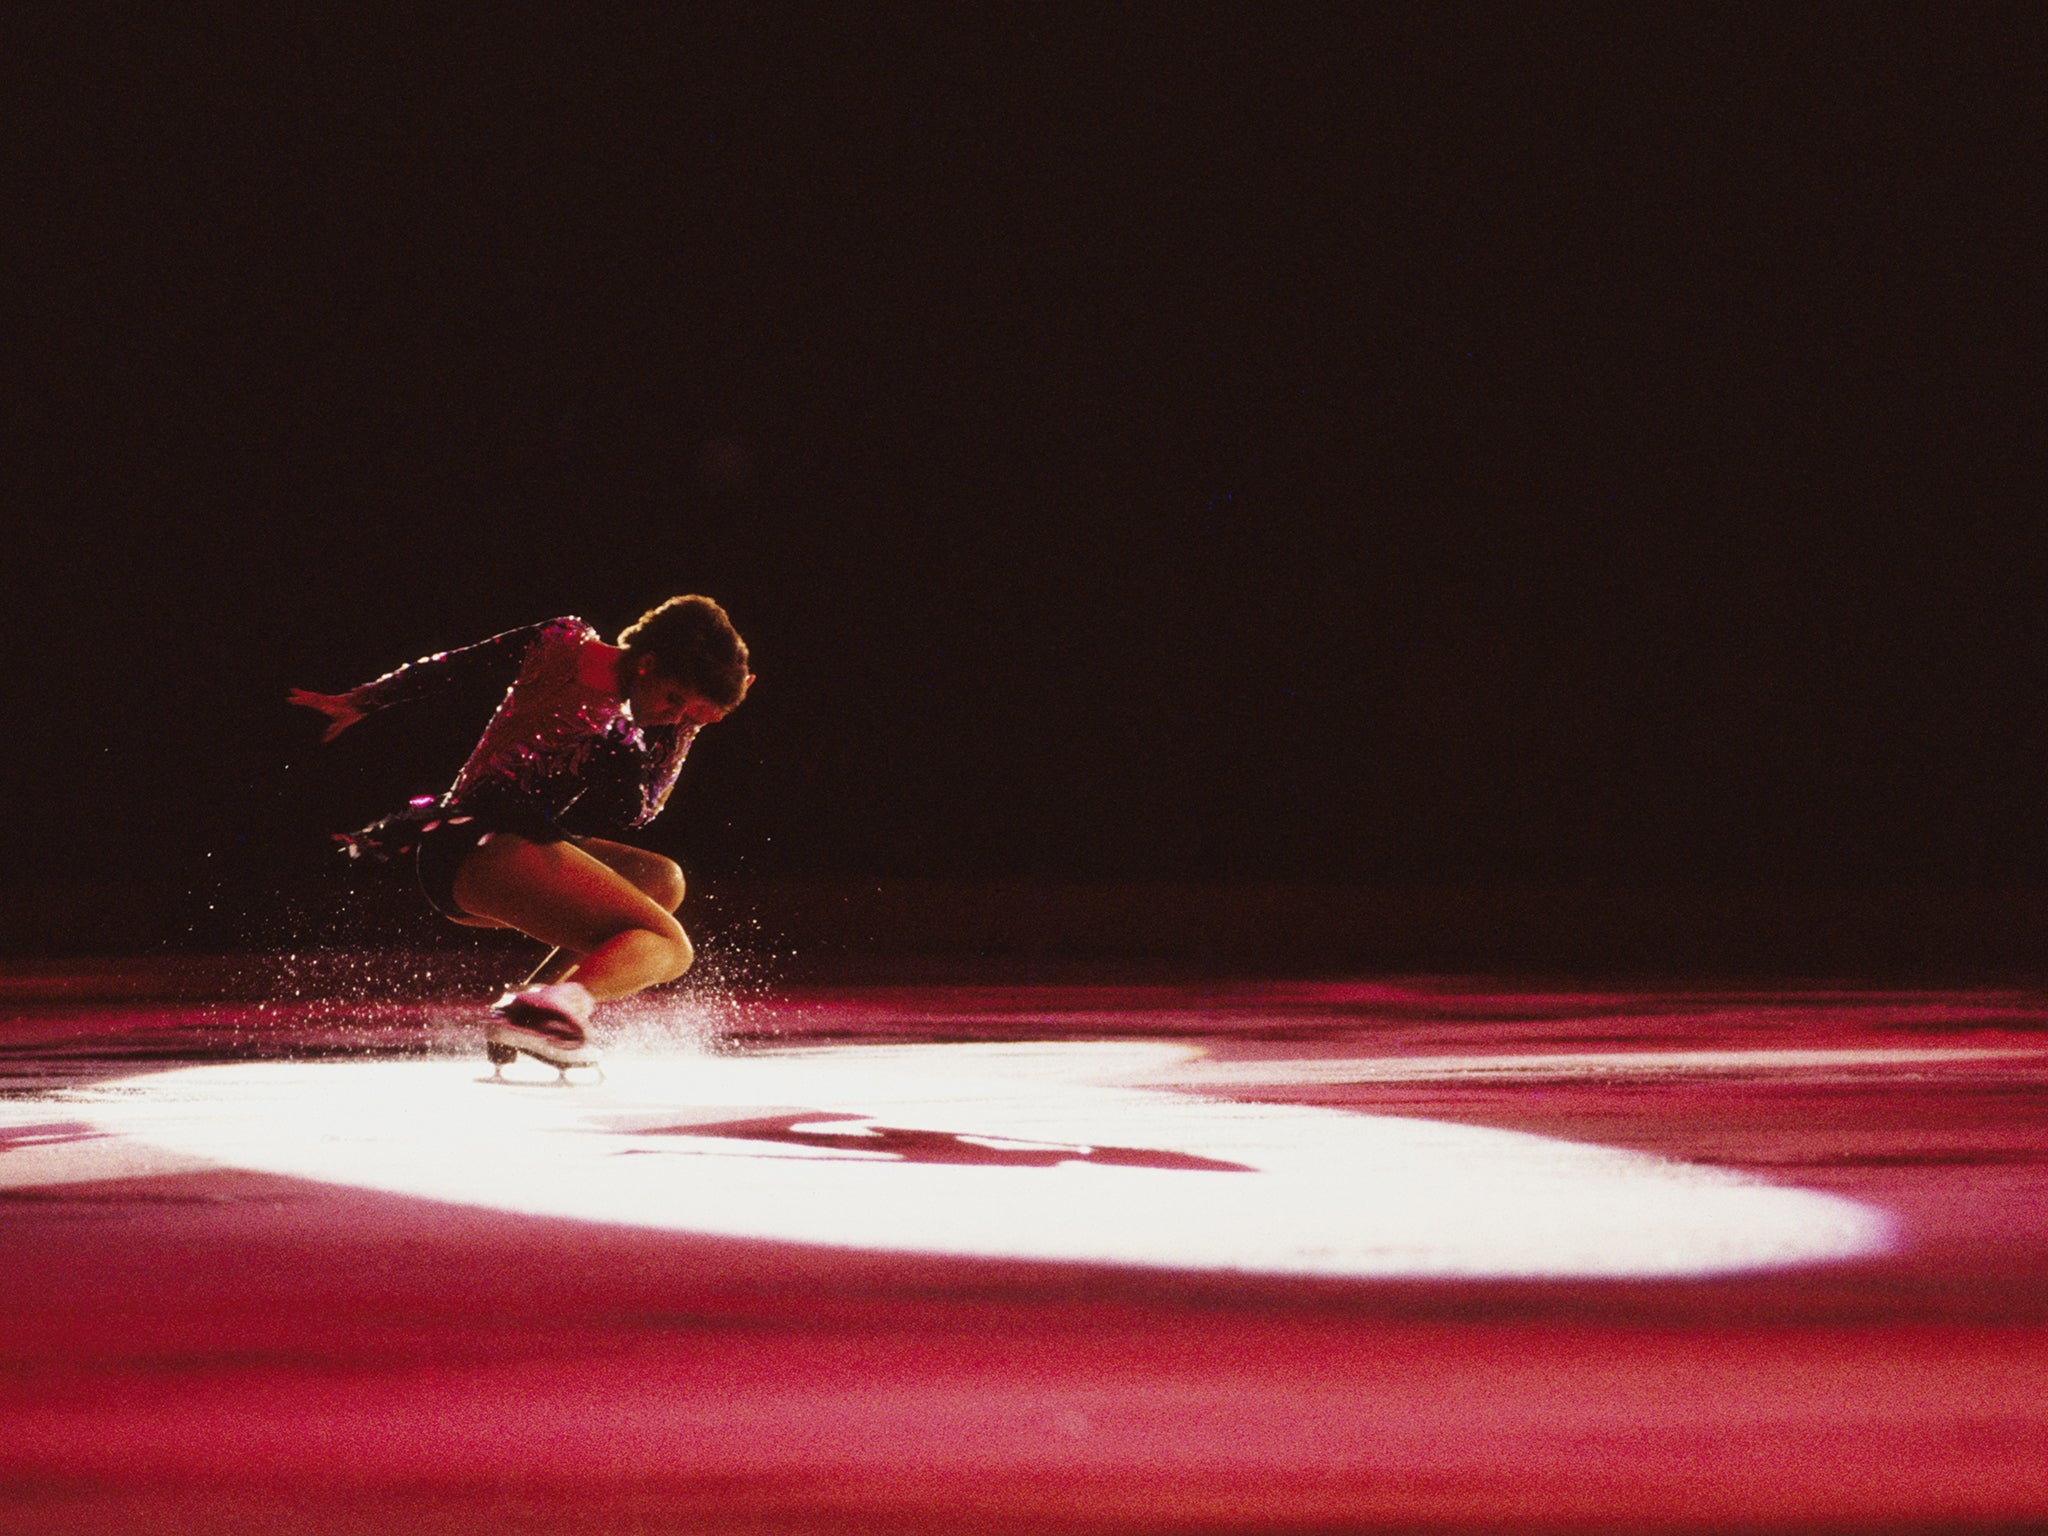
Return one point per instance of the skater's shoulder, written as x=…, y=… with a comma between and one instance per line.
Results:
x=568, y=627
x=546, y=632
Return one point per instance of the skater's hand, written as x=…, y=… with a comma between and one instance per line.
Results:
x=339, y=708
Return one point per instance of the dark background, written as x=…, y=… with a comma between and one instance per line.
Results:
x=1199, y=442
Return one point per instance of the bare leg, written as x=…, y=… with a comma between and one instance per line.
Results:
x=559, y=894
x=659, y=879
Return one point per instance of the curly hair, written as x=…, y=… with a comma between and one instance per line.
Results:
x=692, y=640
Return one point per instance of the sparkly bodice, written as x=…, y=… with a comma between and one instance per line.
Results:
x=561, y=754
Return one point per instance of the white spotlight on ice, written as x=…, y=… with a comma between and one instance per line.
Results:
x=1024, y=1152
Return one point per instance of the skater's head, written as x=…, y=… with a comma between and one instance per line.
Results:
x=685, y=663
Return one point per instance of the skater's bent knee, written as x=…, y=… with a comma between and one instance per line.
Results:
x=665, y=885
x=667, y=951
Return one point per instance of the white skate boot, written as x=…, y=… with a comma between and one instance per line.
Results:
x=547, y=1023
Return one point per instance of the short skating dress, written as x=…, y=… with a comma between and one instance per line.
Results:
x=560, y=758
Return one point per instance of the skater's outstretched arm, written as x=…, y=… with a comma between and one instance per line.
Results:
x=500, y=655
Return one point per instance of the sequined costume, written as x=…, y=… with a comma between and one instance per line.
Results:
x=560, y=757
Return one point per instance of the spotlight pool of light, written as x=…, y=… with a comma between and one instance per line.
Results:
x=1034, y=1151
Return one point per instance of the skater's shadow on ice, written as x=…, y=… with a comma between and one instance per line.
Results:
x=913, y=1146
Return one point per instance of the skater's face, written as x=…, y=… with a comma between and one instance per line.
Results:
x=658, y=699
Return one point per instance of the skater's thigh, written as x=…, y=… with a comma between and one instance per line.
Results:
x=657, y=876
x=555, y=892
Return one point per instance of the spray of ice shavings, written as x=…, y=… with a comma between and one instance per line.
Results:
x=350, y=971
x=384, y=1001
x=722, y=1000
x=307, y=977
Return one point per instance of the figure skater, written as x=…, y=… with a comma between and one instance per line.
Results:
x=587, y=743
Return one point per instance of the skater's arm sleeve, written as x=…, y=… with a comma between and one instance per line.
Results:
x=665, y=766
x=626, y=778
x=498, y=657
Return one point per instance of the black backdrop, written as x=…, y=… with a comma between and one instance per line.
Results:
x=1537, y=442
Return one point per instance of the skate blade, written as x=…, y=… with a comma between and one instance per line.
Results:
x=579, y=1074
x=503, y=1047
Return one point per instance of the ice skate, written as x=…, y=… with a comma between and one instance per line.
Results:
x=546, y=1023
